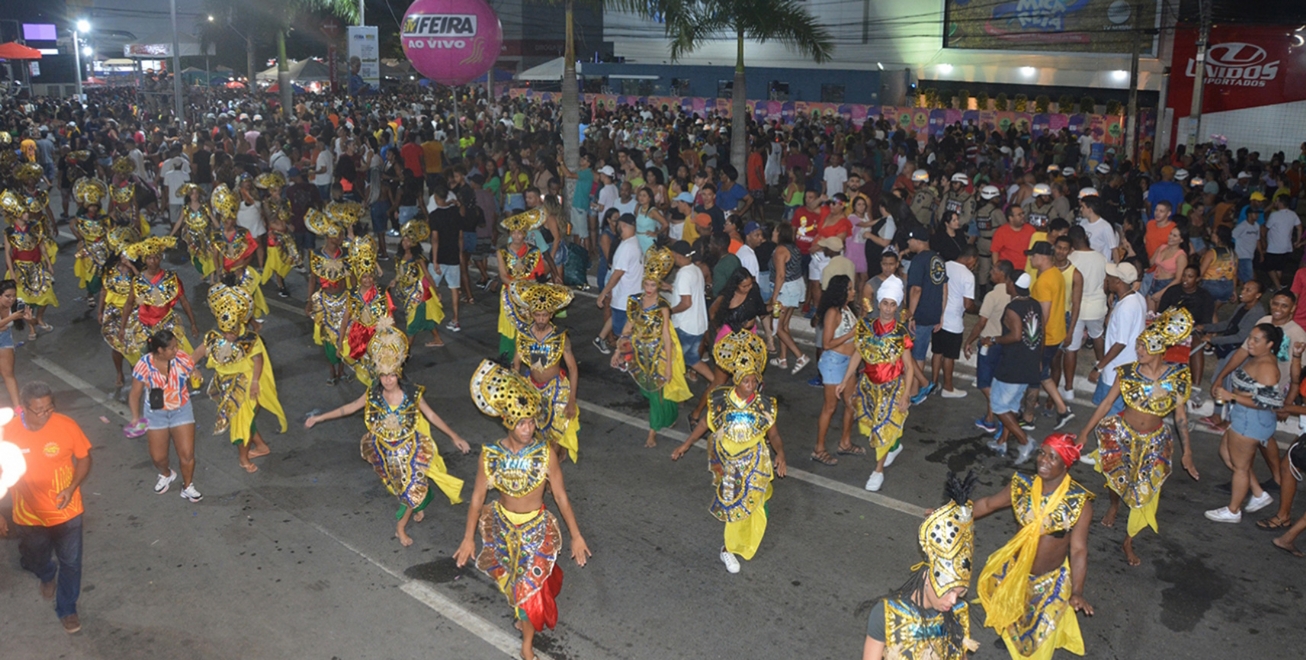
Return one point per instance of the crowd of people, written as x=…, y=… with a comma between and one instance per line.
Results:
x=899, y=256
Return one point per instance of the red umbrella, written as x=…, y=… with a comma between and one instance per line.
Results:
x=16, y=51
x=235, y=84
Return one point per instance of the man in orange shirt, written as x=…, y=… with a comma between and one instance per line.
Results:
x=47, y=502
x=1012, y=239
x=1158, y=228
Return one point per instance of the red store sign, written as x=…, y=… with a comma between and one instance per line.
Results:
x=1246, y=67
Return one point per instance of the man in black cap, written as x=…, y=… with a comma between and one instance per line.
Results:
x=927, y=288
x=689, y=309
x=1049, y=291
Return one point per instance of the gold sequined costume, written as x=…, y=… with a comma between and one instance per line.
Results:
x=878, y=402
x=540, y=354
x=232, y=360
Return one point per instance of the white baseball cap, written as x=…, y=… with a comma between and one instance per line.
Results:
x=607, y=169
x=1024, y=281
x=1125, y=272
x=1181, y=174
x=1103, y=168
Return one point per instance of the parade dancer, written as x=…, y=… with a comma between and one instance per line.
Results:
x=1135, y=446
x=398, y=442
x=123, y=210
x=27, y=261
x=196, y=226
x=282, y=253
x=928, y=617
x=242, y=380
x=543, y=349
x=1032, y=586
x=234, y=248
x=649, y=349
x=882, y=395
x=520, y=538
x=742, y=423
x=328, y=289
x=29, y=177
x=518, y=261
x=366, y=305
x=412, y=285
x=91, y=229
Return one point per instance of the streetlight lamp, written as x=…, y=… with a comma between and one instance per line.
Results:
x=81, y=26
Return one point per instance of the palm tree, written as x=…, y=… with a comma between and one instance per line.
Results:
x=288, y=11
x=691, y=23
x=234, y=15
x=570, y=91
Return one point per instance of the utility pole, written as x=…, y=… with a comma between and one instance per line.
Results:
x=176, y=71
x=1131, y=120
x=1199, y=83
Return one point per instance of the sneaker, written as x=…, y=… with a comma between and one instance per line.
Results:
x=454, y=326
x=161, y=486
x=922, y=394
x=954, y=394
x=71, y=623
x=1088, y=459
x=1066, y=395
x=732, y=564
x=893, y=453
x=816, y=381
x=602, y=346
x=392, y=233
x=191, y=494
x=803, y=361
x=1063, y=418
x=283, y=292
x=1224, y=515
x=875, y=482
x=1025, y=452
x=999, y=448
x=1257, y=503
x=998, y=433
x=1027, y=426
x=984, y=425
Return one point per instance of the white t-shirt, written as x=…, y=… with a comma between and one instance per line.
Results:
x=961, y=286
x=609, y=195
x=323, y=161
x=1092, y=267
x=280, y=162
x=1102, y=237
x=835, y=178
x=630, y=261
x=176, y=171
x=1278, y=231
x=625, y=207
x=1127, y=321
x=689, y=282
x=747, y=259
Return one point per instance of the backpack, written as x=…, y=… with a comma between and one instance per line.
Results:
x=575, y=270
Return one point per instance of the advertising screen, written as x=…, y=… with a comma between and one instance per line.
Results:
x=1088, y=26
x=39, y=32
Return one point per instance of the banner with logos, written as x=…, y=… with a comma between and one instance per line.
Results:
x=366, y=46
x=1246, y=67
x=1089, y=26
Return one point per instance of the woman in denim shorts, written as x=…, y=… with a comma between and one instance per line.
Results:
x=160, y=402
x=838, y=332
x=8, y=318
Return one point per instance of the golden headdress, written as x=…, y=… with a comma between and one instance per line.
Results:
x=537, y=297
x=80, y=154
x=89, y=191
x=504, y=394
x=742, y=353
x=388, y=349
x=230, y=305
x=120, y=238
x=345, y=213
x=148, y=246
x=124, y=194
x=322, y=224
x=270, y=180
x=28, y=172
x=123, y=165
x=527, y=221
x=948, y=538
x=1172, y=327
x=415, y=231
x=185, y=189
x=657, y=263
x=5, y=138
x=12, y=204
x=362, y=256
x=223, y=201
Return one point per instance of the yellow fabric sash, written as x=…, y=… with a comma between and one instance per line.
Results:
x=677, y=389
x=1004, y=599
x=437, y=473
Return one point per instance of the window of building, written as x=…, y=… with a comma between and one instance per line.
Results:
x=831, y=93
x=725, y=89
x=635, y=87
x=680, y=87
x=778, y=91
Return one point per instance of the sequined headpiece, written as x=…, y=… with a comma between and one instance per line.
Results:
x=120, y=238
x=388, y=349
x=148, y=246
x=362, y=256
x=524, y=221
x=541, y=297
x=81, y=154
x=345, y=213
x=742, y=353
x=88, y=191
x=1172, y=327
x=28, y=172
x=123, y=165
x=223, y=201
x=12, y=204
x=322, y=224
x=415, y=231
x=230, y=305
x=185, y=189
x=504, y=394
x=948, y=538
x=270, y=180
x=124, y=194
x=657, y=263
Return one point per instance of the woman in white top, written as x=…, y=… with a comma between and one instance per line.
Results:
x=250, y=215
x=838, y=328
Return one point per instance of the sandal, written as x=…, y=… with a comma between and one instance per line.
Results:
x=824, y=458
x=783, y=363
x=1292, y=550
x=851, y=450
x=802, y=362
x=1273, y=524
x=45, y=327
x=693, y=421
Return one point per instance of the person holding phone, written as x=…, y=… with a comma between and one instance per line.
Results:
x=13, y=314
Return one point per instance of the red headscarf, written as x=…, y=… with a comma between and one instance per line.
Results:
x=1064, y=445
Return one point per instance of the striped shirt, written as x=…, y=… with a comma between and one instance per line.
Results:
x=175, y=393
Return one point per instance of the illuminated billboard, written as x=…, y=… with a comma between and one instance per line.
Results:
x=1087, y=26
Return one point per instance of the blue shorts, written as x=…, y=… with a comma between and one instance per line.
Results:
x=833, y=366
x=469, y=242
x=764, y=285
x=165, y=419
x=1221, y=290
x=1006, y=397
x=379, y=212
x=1259, y=424
x=7, y=337
x=449, y=274
x=580, y=222
x=689, y=346
x=985, y=364
x=1050, y=353
x=921, y=346
x=618, y=321
x=1099, y=395
x=407, y=213
x=1245, y=273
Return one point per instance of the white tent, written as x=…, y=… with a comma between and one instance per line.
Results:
x=551, y=70
x=303, y=71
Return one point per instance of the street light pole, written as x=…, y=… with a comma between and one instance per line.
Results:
x=77, y=56
x=176, y=69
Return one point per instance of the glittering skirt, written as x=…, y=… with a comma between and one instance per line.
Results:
x=1135, y=466
x=878, y=413
x=235, y=411
x=519, y=552
x=111, y=321
x=1048, y=623
x=35, y=283
x=553, y=421
x=741, y=475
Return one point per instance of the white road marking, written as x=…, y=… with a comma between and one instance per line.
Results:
x=91, y=391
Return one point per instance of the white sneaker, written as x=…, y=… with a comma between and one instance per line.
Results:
x=875, y=482
x=954, y=394
x=889, y=457
x=454, y=326
x=191, y=494
x=1224, y=515
x=732, y=564
x=1026, y=450
x=1257, y=503
x=1067, y=395
x=161, y=486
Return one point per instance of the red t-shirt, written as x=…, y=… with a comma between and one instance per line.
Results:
x=1010, y=244
x=842, y=226
x=49, y=455
x=756, y=171
x=412, y=157
x=805, y=224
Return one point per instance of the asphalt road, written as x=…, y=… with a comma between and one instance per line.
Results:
x=297, y=560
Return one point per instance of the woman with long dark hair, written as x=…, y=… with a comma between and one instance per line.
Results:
x=786, y=293
x=10, y=318
x=1255, y=394
x=838, y=328
x=737, y=308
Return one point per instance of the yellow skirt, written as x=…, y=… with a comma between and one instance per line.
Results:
x=744, y=536
x=677, y=389
x=84, y=269
x=35, y=283
x=276, y=263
